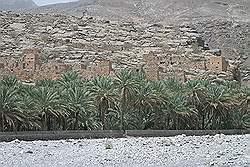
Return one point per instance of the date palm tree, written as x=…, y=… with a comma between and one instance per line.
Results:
x=174, y=85
x=181, y=112
x=143, y=104
x=125, y=83
x=105, y=96
x=70, y=79
x=47, y=105
x=27, y=106
x=161, y=95
x=46, y=83
x=10, y=81
x=127, y=101
x=241, y=115
x=79, y=102
x=196, y=93
x=220, y=102
x=10, y=113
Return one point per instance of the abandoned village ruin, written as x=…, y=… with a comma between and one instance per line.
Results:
x=43, y=46
x=29, y=68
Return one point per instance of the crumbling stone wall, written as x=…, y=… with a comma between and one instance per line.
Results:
x=30, y=59
x=103, y=68
x=217, y=63
x=28, y=67
x=183, y=68
x=51, y=70
x=152, y=66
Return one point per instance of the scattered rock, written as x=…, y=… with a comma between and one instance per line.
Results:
x=29, y=152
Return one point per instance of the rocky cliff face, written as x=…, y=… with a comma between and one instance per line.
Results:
x=222, y=24
x=169, y=11
x=85, y=40
x=16, y=4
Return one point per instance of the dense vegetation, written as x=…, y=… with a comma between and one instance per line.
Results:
x=126, y=101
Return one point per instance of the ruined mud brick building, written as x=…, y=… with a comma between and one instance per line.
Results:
x=181, y=67
x=217, y=63
x=100, y=68
x=151, y=66
x=29, y=68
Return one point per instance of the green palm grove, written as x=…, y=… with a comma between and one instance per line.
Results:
x=126, y=101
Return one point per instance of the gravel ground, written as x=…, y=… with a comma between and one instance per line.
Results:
x=178, y=151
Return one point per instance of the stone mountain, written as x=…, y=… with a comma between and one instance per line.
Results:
x=223, y=24
x=16, y=4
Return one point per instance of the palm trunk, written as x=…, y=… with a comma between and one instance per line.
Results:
x=159, y=123
x=103, y=119
x=2, y=122
x=123, y=109
x=203, y=121
x=141, y=118
x=174, y=124
x=103, y=109
x=168, y=122
x=165, y=123
x=44, y=123
x=48, y=123
x=178, y=123
x=214, y=122
x=76, y=122
x=174, y=121
x=101, y=115
x=209, y=119
x=122, y=119
x=64, y=124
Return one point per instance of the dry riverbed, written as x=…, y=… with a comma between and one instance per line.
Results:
x=189, y=151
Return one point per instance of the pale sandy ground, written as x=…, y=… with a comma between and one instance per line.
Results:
x=178, y=151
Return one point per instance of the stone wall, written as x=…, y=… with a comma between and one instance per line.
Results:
x=59, y=135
